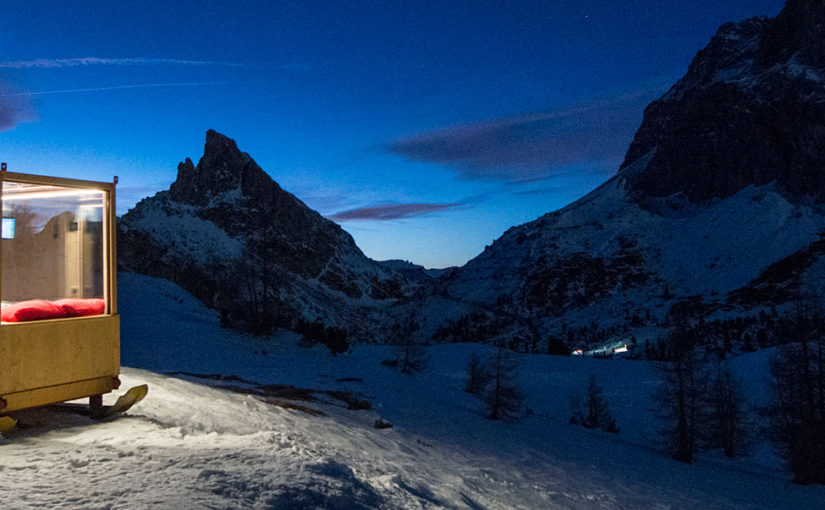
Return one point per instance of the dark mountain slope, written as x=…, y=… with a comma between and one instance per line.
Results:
x=749, y=111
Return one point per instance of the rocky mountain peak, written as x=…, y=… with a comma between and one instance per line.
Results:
x=749, y=111
x=221, y=153
x=222, y=168
x=226, y=232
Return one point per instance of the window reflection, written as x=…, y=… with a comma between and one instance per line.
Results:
x=52, y=250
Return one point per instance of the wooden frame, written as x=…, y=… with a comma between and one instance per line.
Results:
x=49, y=361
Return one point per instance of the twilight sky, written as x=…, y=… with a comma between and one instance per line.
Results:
x=426, y=129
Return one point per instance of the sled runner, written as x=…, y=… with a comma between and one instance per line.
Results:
x=101, y=412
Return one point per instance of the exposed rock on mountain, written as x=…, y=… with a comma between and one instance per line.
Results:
x=229, y=234
x=749, y=111
x=798, y=30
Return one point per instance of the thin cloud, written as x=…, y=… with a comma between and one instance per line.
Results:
x=390, y=212
x=53, y=63
x=121, y=87
x=548, y=190
x=533, y=146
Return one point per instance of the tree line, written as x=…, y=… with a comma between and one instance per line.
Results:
x=704, y=405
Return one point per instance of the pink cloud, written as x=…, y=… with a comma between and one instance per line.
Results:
x=533, y=146
x=389, y=212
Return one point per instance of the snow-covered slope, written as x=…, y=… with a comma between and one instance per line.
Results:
x=189, y=445
x=605, y=259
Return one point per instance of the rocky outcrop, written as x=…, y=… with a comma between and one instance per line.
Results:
x=796, y=33
x=749, y=111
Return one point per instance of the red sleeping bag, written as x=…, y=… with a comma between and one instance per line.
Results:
x=81, y=307
x=40, y=309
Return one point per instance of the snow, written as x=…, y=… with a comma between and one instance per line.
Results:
x=177, y=225
x=192, y=445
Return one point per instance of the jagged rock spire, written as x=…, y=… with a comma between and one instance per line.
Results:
x=223, y=167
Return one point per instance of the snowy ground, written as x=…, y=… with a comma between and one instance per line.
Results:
x=189, y=445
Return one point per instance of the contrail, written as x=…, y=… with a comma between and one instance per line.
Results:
x=51, y=63
x=118, y=87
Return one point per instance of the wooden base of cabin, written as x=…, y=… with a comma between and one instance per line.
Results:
x=46, y=362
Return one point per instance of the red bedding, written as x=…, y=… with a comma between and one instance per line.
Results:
x=40, y=309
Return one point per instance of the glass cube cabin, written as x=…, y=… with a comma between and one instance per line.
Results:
x=59, y=333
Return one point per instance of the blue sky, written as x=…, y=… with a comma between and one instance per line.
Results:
x=426, y=129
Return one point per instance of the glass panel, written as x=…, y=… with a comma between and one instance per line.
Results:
x=52, y=250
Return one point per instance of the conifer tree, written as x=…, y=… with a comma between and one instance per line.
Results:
x=797, y=410
x=503, y=395
x=410, y=355
x=680, y=396
x=726, y=424
x=593, y=412
x=478, y=376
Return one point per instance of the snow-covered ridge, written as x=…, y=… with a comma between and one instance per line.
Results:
x=178, y=227
x=608, y=261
